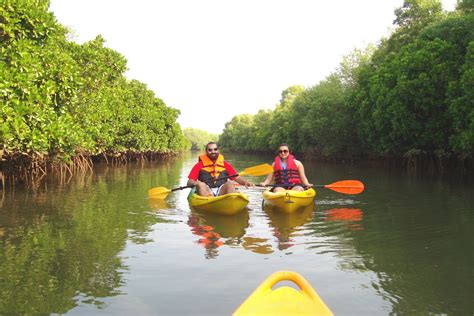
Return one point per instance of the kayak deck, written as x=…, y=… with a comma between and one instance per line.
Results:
x=227, y=204
x=289, y=201
x=284, y=300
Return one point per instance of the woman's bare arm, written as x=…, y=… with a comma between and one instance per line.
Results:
x=302, y=174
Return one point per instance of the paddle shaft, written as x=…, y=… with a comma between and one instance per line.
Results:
x=282, y=185
x=208, y=181
x=292, y=185
x=344, y=186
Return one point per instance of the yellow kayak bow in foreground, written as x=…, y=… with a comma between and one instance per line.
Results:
x=284, y=300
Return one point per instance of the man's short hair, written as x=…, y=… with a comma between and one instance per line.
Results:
x=211, y=143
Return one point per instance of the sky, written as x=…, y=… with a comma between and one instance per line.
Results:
x=214, y=59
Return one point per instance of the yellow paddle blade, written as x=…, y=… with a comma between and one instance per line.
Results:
x=158, y=193
x=259, y=170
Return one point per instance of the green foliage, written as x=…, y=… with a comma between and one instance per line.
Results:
x=237, y=132
x=406, y=101
x=416, y=14
x=199, y=138
x=414, y=92
x=465, y=6
x=58, y=97
x=461, y=108
x=317, y=120
x=411, y=18
x=263, y=131
x=38, y=81
x=324, y=120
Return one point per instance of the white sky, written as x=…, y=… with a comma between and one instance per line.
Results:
x=214, y=59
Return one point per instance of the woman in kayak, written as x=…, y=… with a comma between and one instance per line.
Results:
x=288, y=172
x=211, y=174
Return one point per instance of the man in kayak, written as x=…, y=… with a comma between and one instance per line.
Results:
x=211, y=174
x=288, y=172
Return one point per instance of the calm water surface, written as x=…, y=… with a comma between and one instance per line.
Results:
x=95, y=244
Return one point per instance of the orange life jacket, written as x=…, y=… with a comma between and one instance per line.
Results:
x=213, y=170
x=288, y=176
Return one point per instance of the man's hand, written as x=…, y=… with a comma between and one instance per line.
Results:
x=244, y=182
x=193, y=182
x=248, y=184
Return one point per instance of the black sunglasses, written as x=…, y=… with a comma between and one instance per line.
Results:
x=283, y=151
x=212, y=149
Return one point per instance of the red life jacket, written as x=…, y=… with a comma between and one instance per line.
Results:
x=290, y=175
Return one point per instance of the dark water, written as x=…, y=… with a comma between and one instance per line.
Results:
x=94, y=244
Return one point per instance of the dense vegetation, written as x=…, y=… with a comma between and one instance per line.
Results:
x=410, y=96
x=199, y=138
x=60, y=100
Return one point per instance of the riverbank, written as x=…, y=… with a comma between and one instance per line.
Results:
x=18, y=167
x=414, y=161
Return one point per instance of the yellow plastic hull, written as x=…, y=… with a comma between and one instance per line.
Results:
x=284, y=300
x=289, y=201
x=227, y=204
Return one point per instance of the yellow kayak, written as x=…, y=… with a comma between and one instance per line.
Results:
x=284, y=300
x=227, y=204
x=289, y=201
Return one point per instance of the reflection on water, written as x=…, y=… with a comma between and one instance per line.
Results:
x=286, y=225
x=349, y=215
x=158, y=204
x=214, y=228
x=209, y=239
x=97, y=244
x=228, y=226
x=60, y=243
x=257, y=245
x=217, y=230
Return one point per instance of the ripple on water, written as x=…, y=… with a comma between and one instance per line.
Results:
x=337, y=202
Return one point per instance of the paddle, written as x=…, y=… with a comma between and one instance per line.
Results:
x=344, y=186
x=260, y=170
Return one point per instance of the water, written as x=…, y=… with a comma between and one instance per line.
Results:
x=94, y=244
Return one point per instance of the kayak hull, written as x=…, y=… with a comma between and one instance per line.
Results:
x=289, y=201
x=284, y=300
x=227, y=204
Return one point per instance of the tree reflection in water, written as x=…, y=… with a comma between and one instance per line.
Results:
x=286, y=225
x=61, y=242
